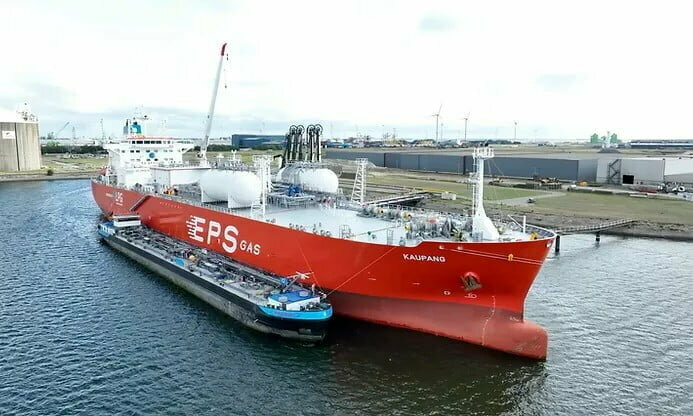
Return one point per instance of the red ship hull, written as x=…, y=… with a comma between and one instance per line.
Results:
x=420, y=288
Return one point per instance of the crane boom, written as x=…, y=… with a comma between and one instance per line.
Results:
x=61, y=129
x=210, y=114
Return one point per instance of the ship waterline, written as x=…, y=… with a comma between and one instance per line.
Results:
x=470, y=291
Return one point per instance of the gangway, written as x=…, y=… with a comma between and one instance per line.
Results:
x=411, y=198
x=592, y=228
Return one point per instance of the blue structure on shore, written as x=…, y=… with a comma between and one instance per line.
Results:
x=254, y=140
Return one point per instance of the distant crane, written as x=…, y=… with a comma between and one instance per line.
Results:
x=55, y=135
x=437, y=116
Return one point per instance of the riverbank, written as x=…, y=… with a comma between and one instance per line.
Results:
x=647, y=229
x=644, y=228
x=666, y=218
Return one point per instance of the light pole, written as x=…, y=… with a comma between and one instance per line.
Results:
x=465, y=128
x=515, y=132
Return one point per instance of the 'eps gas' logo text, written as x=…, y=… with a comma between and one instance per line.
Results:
x=211, y=232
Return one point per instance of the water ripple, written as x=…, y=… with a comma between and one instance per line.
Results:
x=86, y=331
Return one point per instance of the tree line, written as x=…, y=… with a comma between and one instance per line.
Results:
x=53, y=147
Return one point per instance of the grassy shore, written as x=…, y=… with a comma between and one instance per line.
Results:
x=615, y=206
x=459, y=187
x=672, y=219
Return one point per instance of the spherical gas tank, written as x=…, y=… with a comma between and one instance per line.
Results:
x=239, y=188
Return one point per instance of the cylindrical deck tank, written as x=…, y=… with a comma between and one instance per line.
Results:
x=309, y=178
x=239, y=188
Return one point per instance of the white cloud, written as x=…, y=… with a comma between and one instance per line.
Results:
x=562, y=70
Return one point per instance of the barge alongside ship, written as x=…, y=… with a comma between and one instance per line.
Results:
x=271, y=304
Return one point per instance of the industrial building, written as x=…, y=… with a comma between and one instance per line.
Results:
x=564, y=166
x=661, y=144
x=20, y=149
x=254, y=140
x=645, y=170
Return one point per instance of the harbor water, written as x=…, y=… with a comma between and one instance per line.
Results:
x=84, y=330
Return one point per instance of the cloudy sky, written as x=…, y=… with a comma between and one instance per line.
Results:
x=562, y=70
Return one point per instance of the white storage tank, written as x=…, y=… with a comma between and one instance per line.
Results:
x=320, y=180
x=310, y=178
x=240, y=188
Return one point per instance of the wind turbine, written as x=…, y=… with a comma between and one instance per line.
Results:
x=437, y=116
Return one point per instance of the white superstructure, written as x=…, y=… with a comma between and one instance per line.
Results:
x=131, y=159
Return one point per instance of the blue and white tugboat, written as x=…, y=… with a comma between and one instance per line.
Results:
x=278, y=305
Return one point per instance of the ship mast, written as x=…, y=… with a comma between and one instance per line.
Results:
x=210, y=114
x=482, y=226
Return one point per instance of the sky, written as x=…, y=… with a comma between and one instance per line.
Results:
x=561, y=70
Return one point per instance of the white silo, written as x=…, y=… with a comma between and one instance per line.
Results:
x=20, y=149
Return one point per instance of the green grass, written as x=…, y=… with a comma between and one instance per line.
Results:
x=491, y=193
x=60, y=164
x=570, y=203
x=616, y=206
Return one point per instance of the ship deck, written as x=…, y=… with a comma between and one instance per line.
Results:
x=347, y=221
x=322, y=219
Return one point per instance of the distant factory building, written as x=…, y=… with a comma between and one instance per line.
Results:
x=645, y=170
x=661, y=144
x=254, y=140
x=20, y=149
x=564, y=166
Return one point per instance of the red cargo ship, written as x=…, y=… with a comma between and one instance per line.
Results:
x=462, y=277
